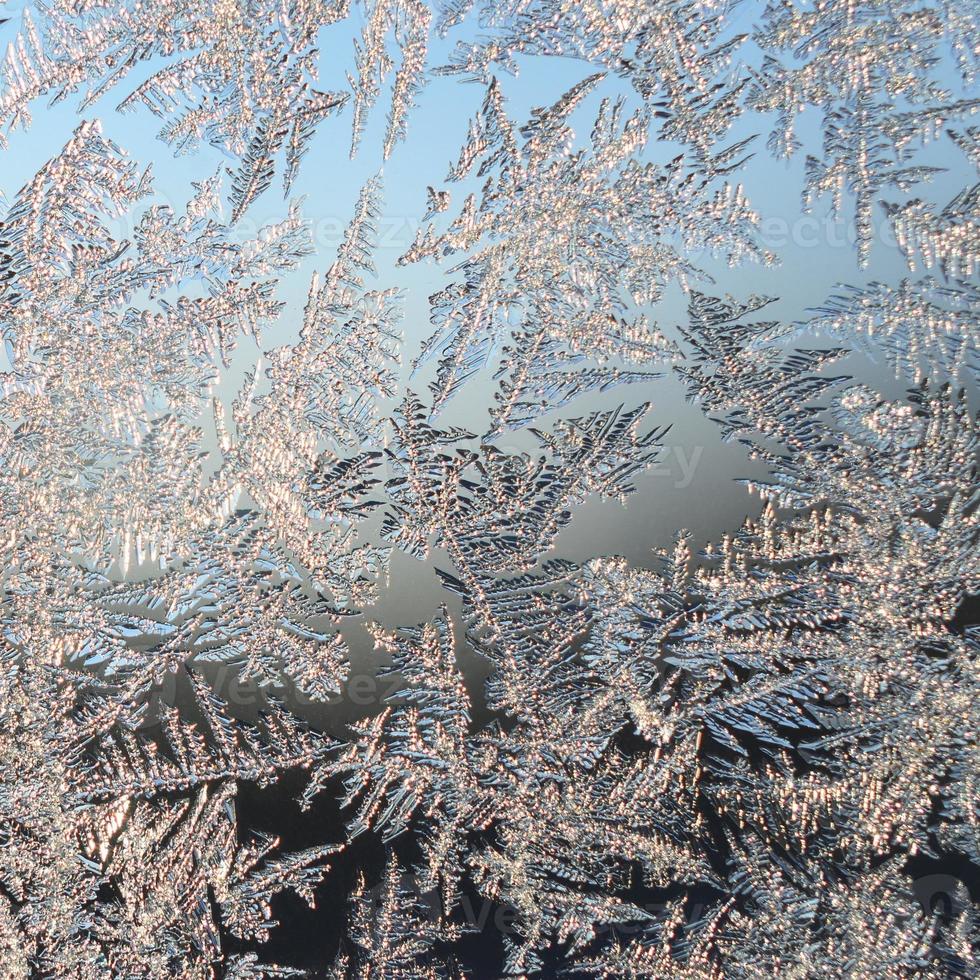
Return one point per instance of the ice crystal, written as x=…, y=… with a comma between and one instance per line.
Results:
x=591, y=243
x=745, y=757
x=242, y=77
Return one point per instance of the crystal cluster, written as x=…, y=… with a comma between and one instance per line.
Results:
x=740, y=760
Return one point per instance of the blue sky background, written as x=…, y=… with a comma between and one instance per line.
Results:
x=694, y=486
x=815, y=251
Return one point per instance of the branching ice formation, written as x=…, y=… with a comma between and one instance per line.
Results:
x=737, y=760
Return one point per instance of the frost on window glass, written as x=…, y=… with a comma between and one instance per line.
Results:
x=349, y=626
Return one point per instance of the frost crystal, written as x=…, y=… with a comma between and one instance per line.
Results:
x=753, y=754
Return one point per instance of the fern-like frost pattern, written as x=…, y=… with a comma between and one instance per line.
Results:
x=743, y=757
